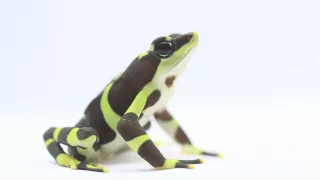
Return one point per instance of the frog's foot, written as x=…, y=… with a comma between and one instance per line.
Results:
x=70, y=162
x=189, y=149
x=175, y=163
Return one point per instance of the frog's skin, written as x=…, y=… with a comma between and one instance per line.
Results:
x=117, y=119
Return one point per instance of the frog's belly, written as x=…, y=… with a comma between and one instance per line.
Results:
x=118, y=143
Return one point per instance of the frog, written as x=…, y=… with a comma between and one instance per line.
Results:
x=119, y=117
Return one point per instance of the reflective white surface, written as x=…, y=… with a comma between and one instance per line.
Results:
x=254, y=77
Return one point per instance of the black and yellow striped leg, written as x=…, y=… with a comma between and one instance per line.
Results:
x=81, y=141
x=139, y=141
x=128, y=148
x=173, y=129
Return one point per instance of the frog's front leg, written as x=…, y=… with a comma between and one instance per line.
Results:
x=126, y=148
x=139, y=141
x=171, y=126
x=80, y=140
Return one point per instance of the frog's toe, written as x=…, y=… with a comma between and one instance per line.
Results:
x=92, y=167
x=189, y=149
x=193, y=161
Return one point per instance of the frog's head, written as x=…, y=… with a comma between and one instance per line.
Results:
x=174, y=52
x=163, y=62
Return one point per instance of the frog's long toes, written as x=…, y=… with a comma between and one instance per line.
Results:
x=193, y=161
x=93, y=167
x=218, y=155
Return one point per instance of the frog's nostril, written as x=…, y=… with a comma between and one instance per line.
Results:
x=190, y=35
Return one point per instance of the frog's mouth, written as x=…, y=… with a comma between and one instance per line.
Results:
x=179, y=60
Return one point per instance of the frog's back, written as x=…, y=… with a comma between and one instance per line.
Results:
x=104, y=111
x=117, y=96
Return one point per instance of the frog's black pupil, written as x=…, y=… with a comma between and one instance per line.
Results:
x=164, y=48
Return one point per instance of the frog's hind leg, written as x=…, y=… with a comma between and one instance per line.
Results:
x=80, y=141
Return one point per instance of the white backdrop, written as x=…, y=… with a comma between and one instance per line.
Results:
x=251, y=90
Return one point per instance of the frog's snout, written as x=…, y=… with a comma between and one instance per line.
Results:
x=192, y=36
x=189, y=36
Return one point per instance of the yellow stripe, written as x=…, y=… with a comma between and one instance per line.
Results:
x=175, y=124
x=56, y=133
x=49, y=141
x=137, y=142
x=168, y=38
x=168, y=164
x=140, y=100
x=151, y=48
x=142, y=55
x=109, y=115
x=66, y=160
x=72, y=138
x=136, y=107
x=88, y=142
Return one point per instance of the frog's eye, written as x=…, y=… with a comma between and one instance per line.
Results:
x=163, y=49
